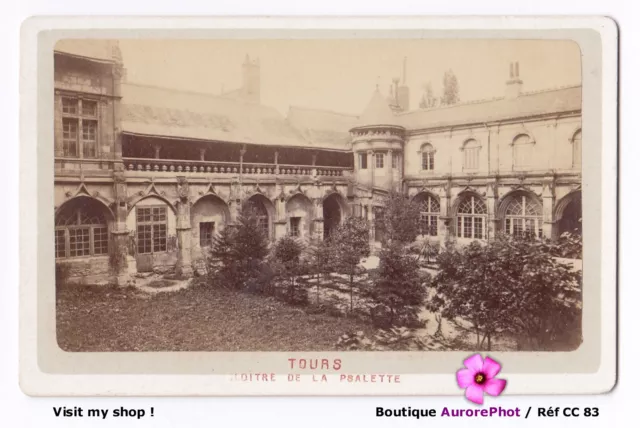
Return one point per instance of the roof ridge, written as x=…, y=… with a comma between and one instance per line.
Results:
x=324, y=110
x=487, y=100
x=191, y=92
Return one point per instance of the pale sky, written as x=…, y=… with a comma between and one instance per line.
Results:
x=340, y=75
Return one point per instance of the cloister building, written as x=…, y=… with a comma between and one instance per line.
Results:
x=155, y=173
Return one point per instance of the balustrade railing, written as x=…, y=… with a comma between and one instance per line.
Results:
x=214, y=167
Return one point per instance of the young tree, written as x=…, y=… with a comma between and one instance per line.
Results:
x=350, y=244
x=319, y=255
x=398, y=285
x=428, y=99
x=507, y=285
x=449, y=89
x=288, y=253
x=237, y=255
x=401, y=220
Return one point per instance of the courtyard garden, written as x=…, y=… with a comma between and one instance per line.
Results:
x=511, y=293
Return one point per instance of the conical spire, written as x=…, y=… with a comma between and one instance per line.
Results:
x=377, y=112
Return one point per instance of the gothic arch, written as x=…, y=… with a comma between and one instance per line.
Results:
x=568, y=213
x=266, y=211
x=78, y=198
x=462, y=195
x=505, y=200
x=133, y=202
x=425, y=193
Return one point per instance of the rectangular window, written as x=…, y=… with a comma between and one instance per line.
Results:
x=471, y=158
x=79, y=128
x=70, y=137
x=79, y=242
x=522, y=155
x=379, y=160
x=394, y=160
x=294, y=226
x=100, y=240
x=478, y=223
x=427, y=161
x=89, y=108
x=60, y=244
x=151, y=229
x=207, y=229
x=366, y=213
x=467, y=231
x=69, y=106
x=363, y=160
x=89, y=139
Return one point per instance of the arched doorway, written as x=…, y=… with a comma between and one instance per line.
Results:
x=262, y=209
x=332, y=213
x=570, y=214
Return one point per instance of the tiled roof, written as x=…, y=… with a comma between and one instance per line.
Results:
x=165, y=112
x=377, y=112
x=323, y=128
x=527, y=104
x=97, y=49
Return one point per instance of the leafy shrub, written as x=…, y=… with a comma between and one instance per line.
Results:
x=395, y=339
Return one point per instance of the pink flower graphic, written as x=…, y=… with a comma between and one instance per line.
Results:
x=479, y=377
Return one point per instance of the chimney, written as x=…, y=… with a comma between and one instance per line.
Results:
x=514, y=84
x=251, y=79
x=403, y=90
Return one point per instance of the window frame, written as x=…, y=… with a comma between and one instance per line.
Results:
x=471, y=154
x=79, y=117
x=522, y=219
x=207, y=242
x=522, y=151
x=428, y=157
x=471, y=221
x=92, y=230
x=295, y=231
x=428, y=220
x=363, y=161
x=576, y=141
x=152, y=225
x=379, y=160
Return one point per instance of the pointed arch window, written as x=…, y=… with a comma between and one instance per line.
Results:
x=522, y=151
x=471, y=218
x=428, y=157
x=81, y=230
x=523, y=217
x=576, y=150
x=429, y=212
x=471, y=152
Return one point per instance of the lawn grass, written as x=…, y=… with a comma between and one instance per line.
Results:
x=199, y=318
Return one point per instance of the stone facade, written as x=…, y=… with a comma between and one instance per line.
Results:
x=137, y=196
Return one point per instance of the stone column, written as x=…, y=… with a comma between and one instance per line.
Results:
x=58, y=150
x=372, y=166
x=493, y=219
x=123, y=265
x=390, y=179
x=183, y=230
x=548, y=202
x=314, y=171
x=318, y=219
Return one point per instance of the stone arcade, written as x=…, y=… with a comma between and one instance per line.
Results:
x=155, y=172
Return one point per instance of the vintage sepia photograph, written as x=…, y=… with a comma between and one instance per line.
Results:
x=301, y=195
